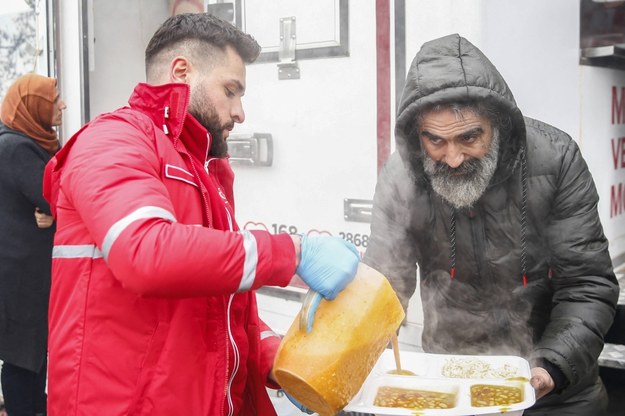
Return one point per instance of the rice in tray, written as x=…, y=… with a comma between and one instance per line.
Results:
x=476, y=368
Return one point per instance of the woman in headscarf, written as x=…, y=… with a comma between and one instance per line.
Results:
x=30, y=110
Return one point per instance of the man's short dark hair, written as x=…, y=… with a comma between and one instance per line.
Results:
x=202, y=28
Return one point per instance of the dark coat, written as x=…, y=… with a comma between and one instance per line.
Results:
x=25, y=252
x=533, y=273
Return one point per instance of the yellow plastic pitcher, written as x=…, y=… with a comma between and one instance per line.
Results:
x=324, y=369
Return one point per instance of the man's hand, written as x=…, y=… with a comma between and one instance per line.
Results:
x=541, y=381
x=43, y=220
x=327, y=264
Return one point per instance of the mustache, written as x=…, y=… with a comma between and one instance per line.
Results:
x=466, y=168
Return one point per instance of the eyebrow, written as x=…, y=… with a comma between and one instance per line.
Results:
x=466, y=133
x=472, y=132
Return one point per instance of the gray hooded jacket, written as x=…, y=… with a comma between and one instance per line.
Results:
x=533, y=276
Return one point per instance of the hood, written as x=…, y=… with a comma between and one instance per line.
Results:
x=166, y=105
x=452, y=69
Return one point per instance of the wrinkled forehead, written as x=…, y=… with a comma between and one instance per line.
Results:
x=460, y=110
x=452, y=116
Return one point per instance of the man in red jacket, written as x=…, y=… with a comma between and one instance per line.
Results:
x=152, y=309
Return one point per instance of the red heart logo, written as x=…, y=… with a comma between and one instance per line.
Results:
x=251, y=225
x=318, y=232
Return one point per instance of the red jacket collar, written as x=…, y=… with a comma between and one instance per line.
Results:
x=167, y=105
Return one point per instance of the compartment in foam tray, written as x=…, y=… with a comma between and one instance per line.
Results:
x=443, y=385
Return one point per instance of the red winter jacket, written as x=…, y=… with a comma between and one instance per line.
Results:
x=152, y=308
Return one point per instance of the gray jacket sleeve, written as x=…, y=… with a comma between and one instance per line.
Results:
x=585, y=288
x=391, y=249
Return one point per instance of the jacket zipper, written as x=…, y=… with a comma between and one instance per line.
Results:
x=228, y=215
x=230, y=337
x=236, y=358
x=477, y=229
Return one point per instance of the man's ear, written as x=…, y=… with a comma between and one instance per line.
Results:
x=179, y=70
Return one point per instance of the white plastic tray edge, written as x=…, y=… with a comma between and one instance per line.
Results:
x=427, y=366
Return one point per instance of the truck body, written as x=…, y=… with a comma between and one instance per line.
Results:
x=321, y=100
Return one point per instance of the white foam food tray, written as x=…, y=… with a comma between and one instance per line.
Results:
x=451, y=374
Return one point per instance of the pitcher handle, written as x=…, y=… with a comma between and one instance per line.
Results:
x=309, y=308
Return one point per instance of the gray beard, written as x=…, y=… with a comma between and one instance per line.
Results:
x=463, y=190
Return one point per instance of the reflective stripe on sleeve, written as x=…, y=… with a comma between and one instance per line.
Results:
x=141, y=213
x=267, y=334
x=250, y=263
x=76, y=252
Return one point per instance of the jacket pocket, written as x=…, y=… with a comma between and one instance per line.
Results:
x=148, y=366
x=180, y=174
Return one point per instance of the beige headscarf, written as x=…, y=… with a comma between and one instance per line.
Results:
x=28, y=107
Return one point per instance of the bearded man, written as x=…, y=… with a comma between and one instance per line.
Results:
x=153, y=308
x=499, y=214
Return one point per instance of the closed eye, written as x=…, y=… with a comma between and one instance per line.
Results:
x=233, y=88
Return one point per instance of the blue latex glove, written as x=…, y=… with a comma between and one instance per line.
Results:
x=327, y=264
x=298, y=404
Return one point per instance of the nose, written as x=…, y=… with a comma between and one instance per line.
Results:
x=62, y=105
x=454, y=155
x=237, y=114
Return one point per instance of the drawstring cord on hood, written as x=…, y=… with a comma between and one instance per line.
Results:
x=452, y=226
x=452, y=241
x=524, y=216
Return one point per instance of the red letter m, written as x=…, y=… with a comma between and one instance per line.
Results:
x=618, y=106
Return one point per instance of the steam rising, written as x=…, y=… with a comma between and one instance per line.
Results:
x=485, y=314
x=469, y=319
